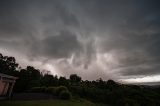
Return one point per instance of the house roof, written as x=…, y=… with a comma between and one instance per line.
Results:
x=7, y=76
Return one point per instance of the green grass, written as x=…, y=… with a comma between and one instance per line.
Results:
x=49, y=103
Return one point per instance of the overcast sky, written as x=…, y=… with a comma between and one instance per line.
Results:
x=111, y=39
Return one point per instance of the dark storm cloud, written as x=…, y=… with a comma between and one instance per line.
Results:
x=27, y=16
x=142, y=70
x=62, y=45
x=88, y=35
x=24, y=19
x=11, y=15
x=132, y=29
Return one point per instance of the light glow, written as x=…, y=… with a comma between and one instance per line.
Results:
x=155, y=78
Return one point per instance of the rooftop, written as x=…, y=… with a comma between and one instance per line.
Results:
x=7, y=76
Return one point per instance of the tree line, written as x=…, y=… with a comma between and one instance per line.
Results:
x=109, y=92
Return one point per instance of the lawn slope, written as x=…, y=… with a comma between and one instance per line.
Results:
x=49, y=103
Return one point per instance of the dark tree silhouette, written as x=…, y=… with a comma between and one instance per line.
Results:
x=8, y=64
x=63, y=81
x=28, y=78
x=75, y=79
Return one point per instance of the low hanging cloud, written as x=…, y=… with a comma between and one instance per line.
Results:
x=62, y=45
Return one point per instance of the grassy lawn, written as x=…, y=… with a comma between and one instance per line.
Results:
x=49, y=103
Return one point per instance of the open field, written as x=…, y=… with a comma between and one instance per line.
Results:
x=49, y=103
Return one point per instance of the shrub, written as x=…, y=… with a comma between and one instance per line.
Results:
x=60, y=89
x=38, y=89
x=66, y=95
x=51, y=90
x=78, y=91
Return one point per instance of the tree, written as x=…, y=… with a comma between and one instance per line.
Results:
x=34, y=75
x=75, y=79
x=63, y=81
x=111, y=83
x=100, y=83
x=47, y=80
x=28, y=78
x=8, y=65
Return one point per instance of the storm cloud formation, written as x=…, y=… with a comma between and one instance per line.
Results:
x=93, y=38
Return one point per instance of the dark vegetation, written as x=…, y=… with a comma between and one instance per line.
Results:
x=99, y=91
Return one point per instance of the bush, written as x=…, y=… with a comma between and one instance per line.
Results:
x=66, y=95
x=38, y=89
x=78, y=91
x=60, y=89
x=51, y=90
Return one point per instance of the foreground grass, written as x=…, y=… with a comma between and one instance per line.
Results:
x=50, y=103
